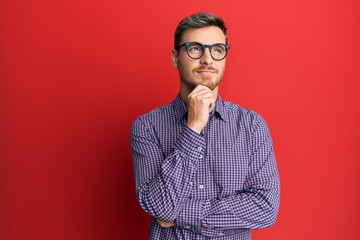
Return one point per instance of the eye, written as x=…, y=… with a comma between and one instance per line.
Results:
x=218, y=49
x=194, y=48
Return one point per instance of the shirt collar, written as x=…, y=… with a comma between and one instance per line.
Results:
x=181, y=109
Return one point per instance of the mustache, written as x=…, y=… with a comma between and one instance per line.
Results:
x=206, y=68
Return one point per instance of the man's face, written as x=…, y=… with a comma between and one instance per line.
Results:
x=205, y=71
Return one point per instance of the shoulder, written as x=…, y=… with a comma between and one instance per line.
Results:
x=240, y=113
x=248, y=119
x=159, y=115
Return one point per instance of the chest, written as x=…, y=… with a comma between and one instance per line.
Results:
x=224, y=168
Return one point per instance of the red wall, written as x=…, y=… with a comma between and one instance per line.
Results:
x=74, y=75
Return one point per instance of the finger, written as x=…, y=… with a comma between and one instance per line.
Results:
x=201, y=87
x=166, y=224
x=201, y=93
x=211, y=107
x=198, y=92
x=204, y=100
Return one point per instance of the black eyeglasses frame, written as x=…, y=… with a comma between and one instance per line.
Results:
x=204, y=46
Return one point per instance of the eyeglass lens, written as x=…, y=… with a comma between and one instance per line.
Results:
x=196, y=50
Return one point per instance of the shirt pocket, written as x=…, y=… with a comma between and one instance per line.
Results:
x=230, y=168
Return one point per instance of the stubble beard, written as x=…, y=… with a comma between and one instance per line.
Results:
x=200, y=80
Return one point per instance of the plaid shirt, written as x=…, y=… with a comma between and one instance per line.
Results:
x=219, y=184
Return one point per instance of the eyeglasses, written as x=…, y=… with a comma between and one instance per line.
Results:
x=195, y=50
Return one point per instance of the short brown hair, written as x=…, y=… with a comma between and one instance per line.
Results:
x=198, y=20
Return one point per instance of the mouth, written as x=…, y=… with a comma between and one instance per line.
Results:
x=206, y=71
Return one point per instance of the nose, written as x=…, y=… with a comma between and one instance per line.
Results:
x=206, y=58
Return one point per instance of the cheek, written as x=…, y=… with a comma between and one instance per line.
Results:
x=222, y=67
x=186, y=66
x=223, y=64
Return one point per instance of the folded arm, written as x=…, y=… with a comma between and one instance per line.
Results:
x=162, y=182
x=255, y=206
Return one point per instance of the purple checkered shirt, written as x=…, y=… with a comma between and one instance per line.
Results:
x=219, y=184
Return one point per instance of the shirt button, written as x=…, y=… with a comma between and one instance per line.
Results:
x=200, y=148
x=201, y=186
x=187, y=227
x=201, y=156
x=191, y=183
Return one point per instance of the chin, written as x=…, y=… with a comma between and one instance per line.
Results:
x=210, y=84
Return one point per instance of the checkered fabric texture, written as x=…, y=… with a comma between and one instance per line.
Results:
x=219, y=184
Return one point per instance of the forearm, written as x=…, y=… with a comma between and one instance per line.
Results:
x=255, y=206
x=163, y=195
x=163, y=186
x=249, y=210
x=245, y=210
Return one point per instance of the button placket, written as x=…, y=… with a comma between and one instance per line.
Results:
x=200, y=156
x=200, y=149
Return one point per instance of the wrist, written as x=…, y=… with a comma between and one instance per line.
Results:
x=195, y=127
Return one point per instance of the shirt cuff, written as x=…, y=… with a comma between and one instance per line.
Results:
x=191, y=144
x=190, y=217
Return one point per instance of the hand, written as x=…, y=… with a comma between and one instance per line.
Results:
x=201, y=101
x=166, y=224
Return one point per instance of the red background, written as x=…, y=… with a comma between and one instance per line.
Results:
x=74, y=75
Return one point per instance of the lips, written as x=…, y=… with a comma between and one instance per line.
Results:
x=206, y=71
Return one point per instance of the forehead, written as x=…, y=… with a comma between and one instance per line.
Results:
x=205, y=35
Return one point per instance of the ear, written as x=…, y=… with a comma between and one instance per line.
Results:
x=175, y=58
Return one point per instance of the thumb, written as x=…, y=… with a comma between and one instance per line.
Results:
x=211, y=106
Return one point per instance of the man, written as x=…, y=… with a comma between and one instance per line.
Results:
x=204, y=167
